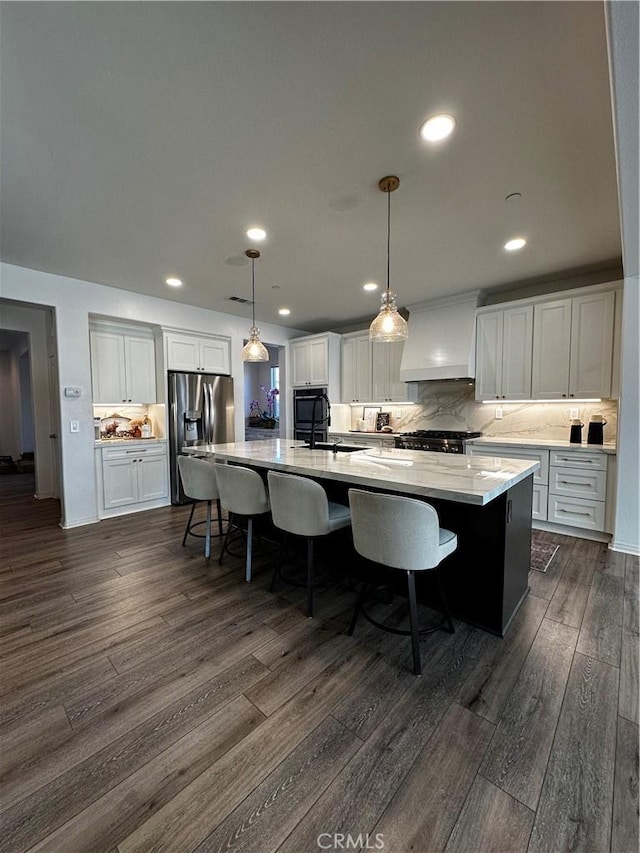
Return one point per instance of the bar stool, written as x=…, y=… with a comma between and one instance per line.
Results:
x=242, y=493
x=401, y=533
x=300, y=506
x=199, y=483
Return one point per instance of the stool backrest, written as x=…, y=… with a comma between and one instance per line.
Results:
x=298, y=505
x=198, y=478
x=242, y=490
x=400, y=532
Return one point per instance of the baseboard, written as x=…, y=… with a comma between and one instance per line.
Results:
x=566, y=530
x=625, y=548
x=81, y=522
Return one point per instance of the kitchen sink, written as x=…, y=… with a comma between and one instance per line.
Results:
x=340, y=448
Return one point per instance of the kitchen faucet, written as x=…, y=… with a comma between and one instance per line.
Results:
x=316, y=400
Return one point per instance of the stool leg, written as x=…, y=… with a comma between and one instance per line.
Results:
x=357, y=609
x=247, y=571
x=207, y=541
x=309, y=577
x=186, y=530
x=280, y=562
x=219, y=508
x=413, y=615
x=445, y=604
x=226, y=540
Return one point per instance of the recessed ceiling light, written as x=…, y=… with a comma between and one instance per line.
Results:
x=284, y=311
x=370, y=285
x=515, y=244
x=173, y=282
x=437, y=128
x=256, y=233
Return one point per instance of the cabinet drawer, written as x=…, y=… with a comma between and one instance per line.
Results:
x=109, y=453
x=540, y=477
x=577, y=483
x=539, y=503
x=576, y=459
x=576, y=512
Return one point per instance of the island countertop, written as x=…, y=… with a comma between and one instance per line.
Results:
x=463, y=479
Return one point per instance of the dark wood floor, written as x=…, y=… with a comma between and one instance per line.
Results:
x=154, y=701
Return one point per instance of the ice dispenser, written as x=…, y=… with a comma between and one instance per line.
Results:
x=193, y=425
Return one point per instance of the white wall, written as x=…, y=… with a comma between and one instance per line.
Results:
x=73, y=301
x=33, y=321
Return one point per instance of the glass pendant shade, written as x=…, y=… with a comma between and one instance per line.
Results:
x=389, y=325
x=254, y=349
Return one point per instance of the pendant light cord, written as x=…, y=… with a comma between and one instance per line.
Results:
x=388, y=238
x=253, y=292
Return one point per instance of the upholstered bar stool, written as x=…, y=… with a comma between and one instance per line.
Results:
x=242, y=493
x=300, y=506
x=401, y=533
x=199, y=483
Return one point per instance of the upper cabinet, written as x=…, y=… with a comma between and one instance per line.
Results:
x=548, y=349
x=573, y=347
x=504, y=340
x=357, y=369
x=198, y=353
x=315, y=360
x=387, y=387
x=123, y=365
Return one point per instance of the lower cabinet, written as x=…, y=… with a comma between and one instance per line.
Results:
x=133, y=477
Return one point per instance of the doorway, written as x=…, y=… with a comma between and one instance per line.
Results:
x=262, y=398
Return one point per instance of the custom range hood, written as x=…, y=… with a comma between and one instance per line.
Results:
x=442, y=340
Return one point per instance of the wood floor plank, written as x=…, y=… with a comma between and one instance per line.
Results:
x=491, y=821
x=118, y=812
x=571, y=594
x=425, y=808
x=574, y=811
x=186, y=819
x=624, y=834
x=629, y=653
x=517, y=758
x=544, y=584
x=46, y=730
x=601, y=630
x=39, y=814
x=488, y=687
x=262, y=822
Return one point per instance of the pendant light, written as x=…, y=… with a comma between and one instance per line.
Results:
x=254, y=349
x=389, y=326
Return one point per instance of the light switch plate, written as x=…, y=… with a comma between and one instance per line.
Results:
x=74, y=426
x=499, y=413
x=574, y=413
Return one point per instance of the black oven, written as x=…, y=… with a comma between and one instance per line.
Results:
x=304, y=401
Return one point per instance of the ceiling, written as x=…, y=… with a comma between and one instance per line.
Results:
x=141, y=140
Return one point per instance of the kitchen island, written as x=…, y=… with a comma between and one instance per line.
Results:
x=486, y=501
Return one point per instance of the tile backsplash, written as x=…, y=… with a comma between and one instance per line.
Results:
x=451, y=405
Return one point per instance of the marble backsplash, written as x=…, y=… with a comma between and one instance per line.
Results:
x=451, y=405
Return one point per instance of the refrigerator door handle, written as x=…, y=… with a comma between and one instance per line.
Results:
x=208, y=403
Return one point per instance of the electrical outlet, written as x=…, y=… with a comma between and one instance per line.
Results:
x=574, y=413
x=499, y=413
x=74, y=426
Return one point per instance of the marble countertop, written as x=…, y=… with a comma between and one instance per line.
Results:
x=105, y=442
x=373, y=433
x=463, y=479
x=545, y=443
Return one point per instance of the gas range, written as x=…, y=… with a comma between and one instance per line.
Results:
x=435, y=440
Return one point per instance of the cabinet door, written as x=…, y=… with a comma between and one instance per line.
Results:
x=319, y=361
x=489, y=329
x=214, y=356
x=517, y=346
x=349, y=371
x=301, y=370
x=183, y=353
x=380, y=371
x=397, y=391
x=551, y=344
x=591, y=345
x=152, y=477
x=107, y=368
x=120, y=482
x=140, y=369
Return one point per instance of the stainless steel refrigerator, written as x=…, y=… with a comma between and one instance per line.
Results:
x=200, y=412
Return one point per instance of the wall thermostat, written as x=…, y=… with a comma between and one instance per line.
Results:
x=72, y=391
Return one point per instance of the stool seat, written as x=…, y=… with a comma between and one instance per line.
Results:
x=242, y=493
x=401, y=533
x=199, y=483
x=300, y=506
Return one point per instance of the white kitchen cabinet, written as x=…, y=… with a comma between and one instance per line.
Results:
x=504, y=340
x=357, y=369
x=387, y=386
x=315, y=361
x=123, y=367
x=198, y=353
x=573, y=347
x=133, y=475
